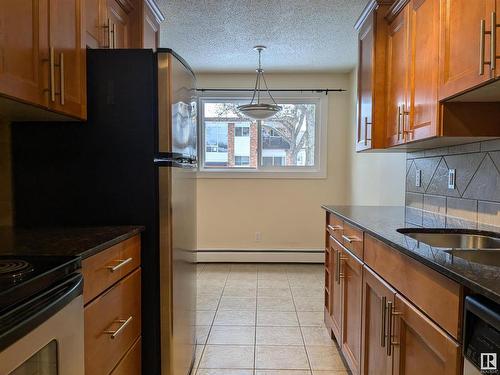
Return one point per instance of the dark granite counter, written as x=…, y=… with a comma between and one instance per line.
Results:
x=382, y=222
x=79, y=242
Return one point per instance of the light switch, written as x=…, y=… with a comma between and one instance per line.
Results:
x=418, y=178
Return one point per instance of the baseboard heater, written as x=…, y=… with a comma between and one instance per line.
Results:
x=261, y=255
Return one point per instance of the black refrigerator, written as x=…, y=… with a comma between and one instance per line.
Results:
x=132, y=162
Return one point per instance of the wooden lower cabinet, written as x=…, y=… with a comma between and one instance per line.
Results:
x=389, y=313
x=335, y=291
x=112, y=313
x=419, y=345
x=352, y=283
x=376, y=295
x=131, y=362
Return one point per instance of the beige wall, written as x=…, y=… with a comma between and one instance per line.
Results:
x=287, y=211
x=375, y=178
x=5, y=175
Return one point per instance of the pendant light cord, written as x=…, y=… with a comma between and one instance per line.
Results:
x=260, y=72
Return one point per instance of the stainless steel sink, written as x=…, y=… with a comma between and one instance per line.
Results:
x=453, y=239
x=488, y=257
x=470, y=245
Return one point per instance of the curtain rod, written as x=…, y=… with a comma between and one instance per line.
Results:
x=326, y=91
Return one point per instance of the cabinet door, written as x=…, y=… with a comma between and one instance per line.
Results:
x=119, y=24
x=150, y=28
x=497, y=70
x=397, y=77
x=67, y=39
x=336, y=291
x=352, y=286
x=376, y=294
x=23, y=25
x=419, y=345
x=365, y=83
x=460, y=54
x=93, y=27
x=424, y=37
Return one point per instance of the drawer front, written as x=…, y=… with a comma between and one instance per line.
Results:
x=435, y=294
x=352, y=239
x=131, y=362
x=112, y=325
x=335, y=226
x=106, y=268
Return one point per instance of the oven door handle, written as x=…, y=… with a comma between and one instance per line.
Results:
x=19, y=321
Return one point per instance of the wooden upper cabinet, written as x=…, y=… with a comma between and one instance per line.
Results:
x=151, y=19
x=424, y=35
x=23, y=41
x=372, y=33
x=352, y=278
x=93, y=25
x=43, y=54
x=461, y=64
x=376, y=296
x=66, y=39
x=420, y=346
x=119, y=23
x=397, y=106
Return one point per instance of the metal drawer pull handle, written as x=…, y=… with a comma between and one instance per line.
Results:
x=52, y=75
x=350, y=239
x=482, y=35
x=119, y=265
x=61, y=71
x=333, y=228
x=390, y=322
x=124, y=323
x=383, y=310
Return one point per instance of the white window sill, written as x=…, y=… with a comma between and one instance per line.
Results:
x=295, y=175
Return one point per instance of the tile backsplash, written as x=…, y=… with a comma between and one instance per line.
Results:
x=475, y=200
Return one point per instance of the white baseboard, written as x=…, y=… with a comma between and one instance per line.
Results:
x=261, y=256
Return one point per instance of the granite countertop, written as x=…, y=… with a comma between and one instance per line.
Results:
x=382, y=221
x=79, y=242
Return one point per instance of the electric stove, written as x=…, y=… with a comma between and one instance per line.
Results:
x=22, y=277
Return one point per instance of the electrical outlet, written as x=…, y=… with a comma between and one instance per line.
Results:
x=418, y=178
x=258, y=236
x=452, y=179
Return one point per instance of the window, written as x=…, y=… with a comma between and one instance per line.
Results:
x=288, y=142
x=242, y=131
x=242, y=160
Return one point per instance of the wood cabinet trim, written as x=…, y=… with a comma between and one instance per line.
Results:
x=155, y=9
x=126, y=5
x=395, y=9
x=369, y=8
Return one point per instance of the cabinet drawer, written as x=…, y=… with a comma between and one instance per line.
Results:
x=352, y=239
x=131, y=362
x=435, y=294
x=112, y=324
x=106, y=268
x=335, y=226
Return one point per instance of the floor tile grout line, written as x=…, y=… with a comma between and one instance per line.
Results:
x=300, y=327
x=210, y=329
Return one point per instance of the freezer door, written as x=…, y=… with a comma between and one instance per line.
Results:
x=176, y=163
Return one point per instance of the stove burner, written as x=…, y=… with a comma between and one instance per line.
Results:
x=14, y=268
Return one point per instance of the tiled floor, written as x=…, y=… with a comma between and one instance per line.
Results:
x=263, y=319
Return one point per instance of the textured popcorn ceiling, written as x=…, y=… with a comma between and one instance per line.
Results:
x=301, y=35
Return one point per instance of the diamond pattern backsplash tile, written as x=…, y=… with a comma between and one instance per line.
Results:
x=475, y=200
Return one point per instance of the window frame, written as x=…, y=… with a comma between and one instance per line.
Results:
x=299, y=172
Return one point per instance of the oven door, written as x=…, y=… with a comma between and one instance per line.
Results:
x=51, y=333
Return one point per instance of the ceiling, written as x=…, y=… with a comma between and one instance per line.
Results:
x=301, y=35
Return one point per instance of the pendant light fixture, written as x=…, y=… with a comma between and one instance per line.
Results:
x=258, y=110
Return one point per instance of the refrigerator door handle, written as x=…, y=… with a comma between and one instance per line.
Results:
x=174, y=159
